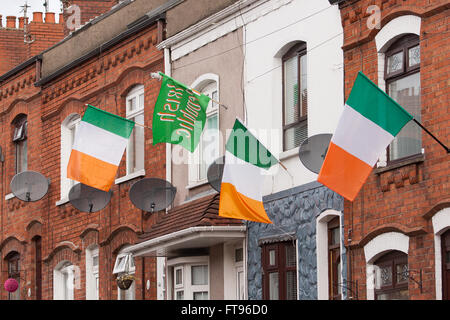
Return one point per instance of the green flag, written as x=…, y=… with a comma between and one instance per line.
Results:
x=180, y=114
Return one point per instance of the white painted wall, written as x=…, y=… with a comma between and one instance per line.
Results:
x=319, y=25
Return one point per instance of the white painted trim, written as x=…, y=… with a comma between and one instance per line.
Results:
x=9, y=196
x=62, y=201
x=375, y=248
x=139, y=173
x=441, y=223
x=289, y=153
x=395, y=28
x=322, y=251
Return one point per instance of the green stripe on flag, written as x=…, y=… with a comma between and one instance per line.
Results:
x=243, y=144
x=373, y=103
x=108, y=121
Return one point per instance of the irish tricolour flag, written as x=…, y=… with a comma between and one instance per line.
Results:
x=99, y=144
x=242, y=181
x=370, y=121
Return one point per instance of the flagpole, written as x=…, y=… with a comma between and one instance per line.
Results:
x=156, y=75
x=426, y=130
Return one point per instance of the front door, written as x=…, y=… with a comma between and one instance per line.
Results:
x=446, y=265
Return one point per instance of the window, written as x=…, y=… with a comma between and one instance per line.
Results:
x=64, y=281
x=279, y=261
x=391, y=276
x=334, y=259
x=20, y=143
x=190, y=280
x=402, y=76
x=136, y=144
x=92, y=273
x=208, y=148
x=13, y=260
x=68, y=131
x=239, y=267
x=445, y=252
x=295, y=97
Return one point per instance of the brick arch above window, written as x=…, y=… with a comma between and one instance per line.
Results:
x=12, y=244
x=64, y=250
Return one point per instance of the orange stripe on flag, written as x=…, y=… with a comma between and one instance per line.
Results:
x=91, y=171
x=235, y=205
x=343, y=173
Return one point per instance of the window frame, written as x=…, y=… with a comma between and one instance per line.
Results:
x=279, y=267
x=20, y=143
x=68, y=131
x=334, y=260
x=196, y=158
x=13, y=258
x=392, y=259
x=136, y=92
x=298, y=50
x=403, y=44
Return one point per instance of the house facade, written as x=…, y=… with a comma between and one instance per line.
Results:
x=53, y=250
x=396, y=230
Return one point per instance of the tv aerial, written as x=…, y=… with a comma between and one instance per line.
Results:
x=88, y=199
x=29, y=186
x=152, y=194
x=313, y=150
x=215, y=173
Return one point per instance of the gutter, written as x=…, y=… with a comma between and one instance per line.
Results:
x=20, y=67
x=146, y=245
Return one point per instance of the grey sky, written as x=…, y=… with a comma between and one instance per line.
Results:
x=12, y=8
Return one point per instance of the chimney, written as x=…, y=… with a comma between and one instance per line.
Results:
x=11, y=22
x=22, y=22
x=1, y=23
x=61, y=18
x=50, y=17
x=37, y=16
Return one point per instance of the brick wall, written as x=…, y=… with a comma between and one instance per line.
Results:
x=42, y=33
x=401, y=199
x=103, y=81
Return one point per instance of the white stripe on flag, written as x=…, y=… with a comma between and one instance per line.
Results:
x=99, y=143
x=245, y=177
x=360, y=136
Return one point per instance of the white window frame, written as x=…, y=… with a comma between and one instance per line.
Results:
x=64, y=281
x=135, y=93
x=187, y=287
x=207, y=84
x=68, y=127
x=322, y=252
x=441, y=223
x=92, y=273
x=392, y=31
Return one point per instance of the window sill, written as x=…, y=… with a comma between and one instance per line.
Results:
x=196, y=184
x=130, y=176
x=289, y=154
x=62, y=201
x=9, y=196
x=416, y=159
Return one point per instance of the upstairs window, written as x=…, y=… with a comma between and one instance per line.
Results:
x=68, y=130
x=136, y=143
x=402, y=75
x=20, y=143
x=295, y=97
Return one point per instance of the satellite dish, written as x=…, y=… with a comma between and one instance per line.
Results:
x=29, y=186
x=152, y=194
x=215, y=173
x=313, y=151
x=88, y=199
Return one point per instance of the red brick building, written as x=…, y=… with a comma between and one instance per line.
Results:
x=397, y=228
x=48, y=244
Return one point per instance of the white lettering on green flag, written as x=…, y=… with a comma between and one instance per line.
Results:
x=180, y=114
